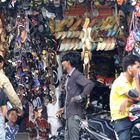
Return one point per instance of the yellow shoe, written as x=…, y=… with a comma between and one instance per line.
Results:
x=70, y=23
x=86, y=23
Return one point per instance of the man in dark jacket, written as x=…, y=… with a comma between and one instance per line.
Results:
x=77, y=88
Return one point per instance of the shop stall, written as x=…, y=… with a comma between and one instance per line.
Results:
x=35, y=34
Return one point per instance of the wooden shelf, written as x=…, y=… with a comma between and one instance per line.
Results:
x=79, y=10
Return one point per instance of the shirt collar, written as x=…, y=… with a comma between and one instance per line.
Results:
x=10, y=124
x=71, y=72
x=124, y=78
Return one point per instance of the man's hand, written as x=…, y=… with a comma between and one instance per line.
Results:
x=123, y=107
x=76, y=99
x=60, y=112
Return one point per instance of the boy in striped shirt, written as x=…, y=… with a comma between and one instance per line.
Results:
x=11, y=126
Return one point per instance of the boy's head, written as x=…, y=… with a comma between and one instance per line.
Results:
x=131, y=64
x=12, y=115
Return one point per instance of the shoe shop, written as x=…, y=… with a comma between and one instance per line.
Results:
x=36, y=36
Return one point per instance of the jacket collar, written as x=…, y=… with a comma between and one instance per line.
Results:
x=71, y=72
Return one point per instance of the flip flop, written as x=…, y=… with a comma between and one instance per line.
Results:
x=70, y=23
x=92, y=23
x=86, y=23
x=107, y=41
x=23, y=36
x=62, y=46
x=81, y=34
x=76, y=44
x=79, y=45
x=115, y=31
x=109, y=33
x=61, y=25
x=69, y=34
x=77, y=34
x=76, y=24
x=113, y=43
x=81, y=1
x=102, y=46
x=72, y=44
x=70, y=3
x=98, y=46
x=64, y=34
x=52, y=25
x=59, y=35
x=67, y=44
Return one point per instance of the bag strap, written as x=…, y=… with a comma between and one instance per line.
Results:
x=132, y=24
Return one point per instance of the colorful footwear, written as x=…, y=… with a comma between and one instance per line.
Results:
x=70, y=23
x=75, y=26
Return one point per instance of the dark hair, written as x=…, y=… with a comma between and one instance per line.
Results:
x=71, y=57
x=1, y=59
x=129, y=60
x=9, y=111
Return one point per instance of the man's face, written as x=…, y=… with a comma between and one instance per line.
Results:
x=65, y=65
x=135, y=69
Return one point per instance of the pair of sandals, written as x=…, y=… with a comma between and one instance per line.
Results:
x=42, y=125
x=107, y=45
x=73, y=2
x=61, y=25
x=44, y=128
x=52, y=25
x=69, y=23
x=31, y=129
x=69, y=34
x=70, y=44
x=108, y=23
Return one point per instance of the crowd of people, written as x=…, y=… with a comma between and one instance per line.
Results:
x=125, y=91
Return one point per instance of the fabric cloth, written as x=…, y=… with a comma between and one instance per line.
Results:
x=123, y=128
x=7, y=88
x=11, y=131
x=2, y=129
x=76, y=85
x=117, y=96
x=72, y=128
x=2, y=98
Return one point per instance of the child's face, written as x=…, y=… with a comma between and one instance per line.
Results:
x=13, y=116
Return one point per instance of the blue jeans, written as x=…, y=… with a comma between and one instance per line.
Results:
x=2, y=127
x=123, y=128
